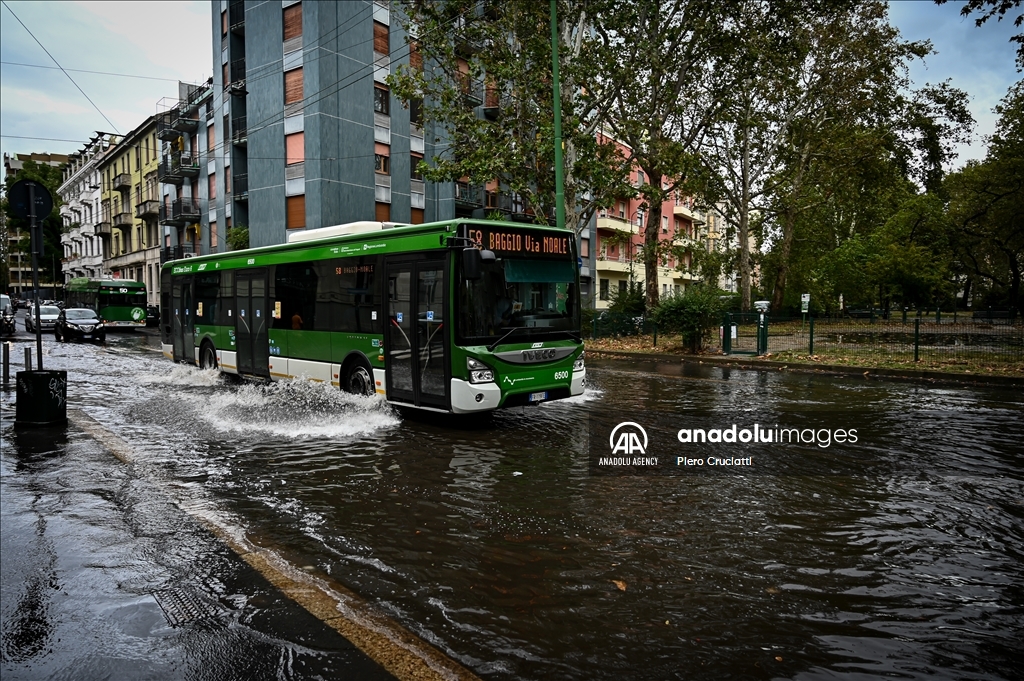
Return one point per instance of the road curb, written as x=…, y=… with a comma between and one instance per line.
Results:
x=399, y=651
x=867, y=372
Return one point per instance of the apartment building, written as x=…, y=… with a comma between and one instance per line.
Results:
x=81, y=197
x=129, y=209
x=187, y=149
x=617, y=238
x=304, y=131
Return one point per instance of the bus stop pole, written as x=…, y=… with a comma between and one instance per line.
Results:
x=37, y=247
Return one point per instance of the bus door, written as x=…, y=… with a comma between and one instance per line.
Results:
x=252, y=337
x=416, y=337
x=183, y=320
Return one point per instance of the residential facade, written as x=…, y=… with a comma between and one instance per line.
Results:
x=129, y=209
x=306, y=132
x=81, y=197
x=617, y=239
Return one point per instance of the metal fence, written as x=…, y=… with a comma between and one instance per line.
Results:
x=918, y=338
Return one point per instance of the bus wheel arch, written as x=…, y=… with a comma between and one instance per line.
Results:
x=207, y=355
x=357, y=375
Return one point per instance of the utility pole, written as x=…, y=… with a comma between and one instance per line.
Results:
x=557, y=96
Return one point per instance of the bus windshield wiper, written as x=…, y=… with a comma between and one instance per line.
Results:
x=498, y=342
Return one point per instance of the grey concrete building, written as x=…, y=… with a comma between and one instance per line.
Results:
x=308, y=134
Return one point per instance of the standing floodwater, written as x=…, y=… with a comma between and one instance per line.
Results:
x=492, y=539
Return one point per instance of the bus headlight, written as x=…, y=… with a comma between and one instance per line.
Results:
x=479, y=372
x=578, y=364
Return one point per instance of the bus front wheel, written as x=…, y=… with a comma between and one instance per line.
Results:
x=359, y=379
x=207, y=357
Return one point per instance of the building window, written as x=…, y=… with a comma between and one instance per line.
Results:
x=381, y=101
x=295, y=209
x=213, y=235
x=211, y=138
x=664, y=224
x=293, y=21
x=295, y=149
x=293, y=86
x=604, y=289
x=224, y=23
x=417, y=216
x=213, y=186
x=414, y=167
x=380, y=38
x=383, y=212
x=416, y=111
x=382, y=164
x=584, y=248
x=415, y=56
x=225, y=76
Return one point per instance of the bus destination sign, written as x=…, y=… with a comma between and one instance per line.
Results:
x=511, y=241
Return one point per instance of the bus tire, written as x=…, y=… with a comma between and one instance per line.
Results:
x=358, y=378
x=207, y=356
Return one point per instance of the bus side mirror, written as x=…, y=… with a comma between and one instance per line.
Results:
x=471, y=263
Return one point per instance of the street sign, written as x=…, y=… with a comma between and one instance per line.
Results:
x=805, y=302
x=18, y=196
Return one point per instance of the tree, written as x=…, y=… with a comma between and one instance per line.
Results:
x=986, y=208
x=50, y=269
x=238, y=238
x=502, y=55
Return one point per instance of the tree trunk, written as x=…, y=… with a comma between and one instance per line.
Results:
x=651, y=243
x=744, y=226
x=788, y=228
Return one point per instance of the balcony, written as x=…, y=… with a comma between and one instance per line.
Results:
x=122, y=181
x=492, y=103
x=239, y=133
x=184, y=123
x=470, y=91
x=237, y=84
x=236, y=16
x=168, y=253
x=188, y=164
x=689, y=213
x=180, y=212
x=169, y=170
x=164, y=125
x=103, y=228
x=240, y=185
x=468, y=195
x=619, y=263
x=614, y=224
x=147, y=209
x=122, y=220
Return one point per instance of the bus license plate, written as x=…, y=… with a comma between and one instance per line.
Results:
x=538, y=397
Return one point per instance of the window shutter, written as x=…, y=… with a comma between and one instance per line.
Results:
x=380, y=38
x=211, y=138
x=293, y=21
x=295, y=149
x=295, y=207
x=383, y=212
x=415, y=56
x=293, y=86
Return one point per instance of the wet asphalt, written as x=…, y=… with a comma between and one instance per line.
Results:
x=103, y=577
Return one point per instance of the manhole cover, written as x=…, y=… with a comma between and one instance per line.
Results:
x=182, y=606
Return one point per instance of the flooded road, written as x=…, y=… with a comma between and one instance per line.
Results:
x=492, y=540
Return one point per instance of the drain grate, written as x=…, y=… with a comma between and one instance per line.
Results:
x=182, y=606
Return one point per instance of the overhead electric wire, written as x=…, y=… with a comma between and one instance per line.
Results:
x=61, y=68
x=101, y=73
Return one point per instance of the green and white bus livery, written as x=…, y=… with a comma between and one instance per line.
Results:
x=460, y=316
x=118, y=302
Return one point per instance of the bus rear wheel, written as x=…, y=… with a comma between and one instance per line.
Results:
x=207, y=357
x=359, y=379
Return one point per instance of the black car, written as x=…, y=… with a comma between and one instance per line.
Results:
x=79, y=323
x=152, y=315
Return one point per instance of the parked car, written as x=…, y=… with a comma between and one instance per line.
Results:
x=47, y=318
x=152, y=316
x=79, y=323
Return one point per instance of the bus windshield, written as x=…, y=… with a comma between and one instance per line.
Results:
x=535, y=295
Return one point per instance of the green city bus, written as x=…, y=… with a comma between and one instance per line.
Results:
x=118, y=302
x=460, y=316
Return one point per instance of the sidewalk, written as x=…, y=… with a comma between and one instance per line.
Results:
x=103, y=576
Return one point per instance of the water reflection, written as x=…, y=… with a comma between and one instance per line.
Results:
x=494, y=542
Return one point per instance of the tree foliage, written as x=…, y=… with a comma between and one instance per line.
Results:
x=50, y=269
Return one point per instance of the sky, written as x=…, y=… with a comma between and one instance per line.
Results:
x=171, y=41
